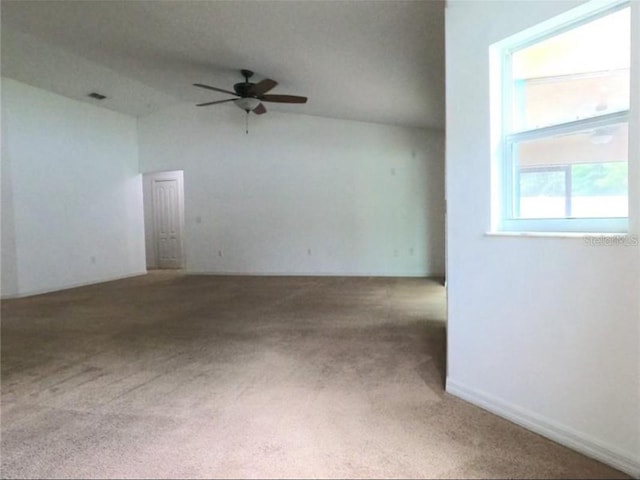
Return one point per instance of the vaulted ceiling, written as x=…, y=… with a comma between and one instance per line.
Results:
x=377, y=61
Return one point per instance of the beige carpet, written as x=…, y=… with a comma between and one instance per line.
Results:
x=193, y=376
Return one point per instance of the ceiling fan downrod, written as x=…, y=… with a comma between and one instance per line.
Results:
x=247, y=74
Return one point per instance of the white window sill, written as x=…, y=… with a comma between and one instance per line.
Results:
x=579, y=235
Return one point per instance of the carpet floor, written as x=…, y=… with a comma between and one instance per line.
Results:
x=173, y=376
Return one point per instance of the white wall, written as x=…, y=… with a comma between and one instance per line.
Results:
x=71, y=196
x=364, y=199
x=544, y=331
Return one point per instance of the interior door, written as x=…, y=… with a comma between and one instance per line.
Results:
x=166, y=209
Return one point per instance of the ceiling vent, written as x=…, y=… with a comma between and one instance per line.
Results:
x=97, y=96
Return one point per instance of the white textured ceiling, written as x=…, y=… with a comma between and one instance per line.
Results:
x=377, y=61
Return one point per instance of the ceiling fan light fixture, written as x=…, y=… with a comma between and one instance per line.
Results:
x=247, y=103
x=603, y=135
x=600, y=138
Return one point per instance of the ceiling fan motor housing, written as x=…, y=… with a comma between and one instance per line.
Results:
x=242, y=88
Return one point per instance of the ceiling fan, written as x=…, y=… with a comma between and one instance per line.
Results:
x=251, y=95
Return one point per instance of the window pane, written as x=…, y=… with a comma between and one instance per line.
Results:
x=542, y=193
x=580, y=73
x=599, y=190
x=582, y=174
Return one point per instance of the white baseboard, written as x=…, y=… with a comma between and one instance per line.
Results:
x=548, y=428
x=317, y=274
x=31, y=293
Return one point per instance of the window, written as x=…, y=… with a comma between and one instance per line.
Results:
x=563, y=133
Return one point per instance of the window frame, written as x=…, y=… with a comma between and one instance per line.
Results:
x=504, y=176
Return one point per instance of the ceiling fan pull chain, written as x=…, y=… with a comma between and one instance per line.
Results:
x=247, y=122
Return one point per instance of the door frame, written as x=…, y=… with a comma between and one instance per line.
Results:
x=150, y=231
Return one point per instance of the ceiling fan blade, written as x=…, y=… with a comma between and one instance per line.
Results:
x=213, y=103
x=262, y=87
x=283, y=98
x=215, y=89
x=260, y=109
